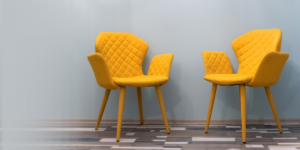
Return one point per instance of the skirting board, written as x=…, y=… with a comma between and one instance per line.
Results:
x=187, y=122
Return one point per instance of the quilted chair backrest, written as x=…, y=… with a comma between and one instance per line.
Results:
x=124, y=53
x=252, y=47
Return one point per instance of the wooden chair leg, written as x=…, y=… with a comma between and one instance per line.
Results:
x=120, y=113
x=272, y=104
x=105, y=98
x=243, y=110
x=211, y=105
x=162, y=107
x=139, y=95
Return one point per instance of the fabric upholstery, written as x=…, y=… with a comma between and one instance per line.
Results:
x=216, y=63
x=141, y=81
x=101, y=71
x=123, y=52
x=255, y=50
x=158, y=73
x=118, y=62
x=161, y=65
x=260, y=64
x=252, y=47
x=228, y=79
x=269, y=70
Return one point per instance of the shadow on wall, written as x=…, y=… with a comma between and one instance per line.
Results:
x=285, y=92
x=229, y=96
x=171, y=94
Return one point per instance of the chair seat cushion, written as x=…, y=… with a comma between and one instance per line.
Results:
x=141, y=81
x=228, y=79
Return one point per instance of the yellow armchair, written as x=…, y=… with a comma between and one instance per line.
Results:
x=117, y=63
x=260, y=65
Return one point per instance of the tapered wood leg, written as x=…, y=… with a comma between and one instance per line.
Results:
x=243, y=110
x=120, y=113
x=272, y=104
x=211, y=105
x=105, y=98
x=139, y=95
x=162, y=107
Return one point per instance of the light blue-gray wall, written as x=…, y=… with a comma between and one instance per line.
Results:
x=45, y=73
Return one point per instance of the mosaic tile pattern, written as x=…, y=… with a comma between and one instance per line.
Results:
x=140, y=137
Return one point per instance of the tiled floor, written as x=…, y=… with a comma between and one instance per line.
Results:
x=184, y=137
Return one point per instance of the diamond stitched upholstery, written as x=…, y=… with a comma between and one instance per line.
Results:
x=216, y=63
x=123, y=55
x=252, y=47
x=158, y=73
x=123, y=52
x=161, y=65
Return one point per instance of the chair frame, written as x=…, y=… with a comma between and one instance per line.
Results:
x=264, y=72
x=121, y=107
x=127, y=45
x=242, y=90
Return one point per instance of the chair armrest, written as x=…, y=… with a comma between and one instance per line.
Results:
x=269, y=69
x=161, y=65
x=216, y=63
x=101, y=71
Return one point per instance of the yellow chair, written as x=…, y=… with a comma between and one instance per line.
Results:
x=260, y=65
x=117, y=63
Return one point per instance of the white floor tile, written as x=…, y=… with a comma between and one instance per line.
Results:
x=261, y=131
x=274, y=124
x=177, y=128
x=161, y=136
x=288, y=148
x=212, y=139
x=233, y=126
x=288, y=143
x=274, y=132
x=283, y=138
x=254, y=146
x=130, y=134
x=114, y=140
x=159, y=140
x=284, y=148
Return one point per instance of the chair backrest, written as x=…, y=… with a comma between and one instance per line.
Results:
x=252, y=47
x=124, y=53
